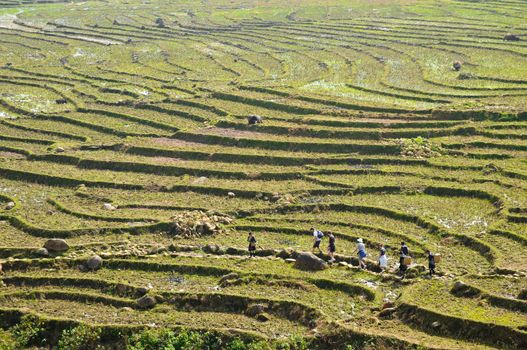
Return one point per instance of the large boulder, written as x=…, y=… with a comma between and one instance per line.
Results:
x=310, y=262
x=94, y=263
x=56, y=245
x=146, y=302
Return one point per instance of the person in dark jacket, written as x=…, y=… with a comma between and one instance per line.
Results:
x=252, y=245
x=403, y=253
x=431, y=263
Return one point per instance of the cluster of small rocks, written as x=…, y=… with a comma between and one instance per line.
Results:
x=10, y=205
x=279, y=198
x=199, y=223
x=418, y=147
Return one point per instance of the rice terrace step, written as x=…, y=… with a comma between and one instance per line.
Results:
x=263, y=175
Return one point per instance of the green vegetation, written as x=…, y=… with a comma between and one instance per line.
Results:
x=124, y=131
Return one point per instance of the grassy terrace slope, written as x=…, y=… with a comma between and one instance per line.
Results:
x=119, y=118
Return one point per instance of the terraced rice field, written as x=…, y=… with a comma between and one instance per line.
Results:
x=120, y=118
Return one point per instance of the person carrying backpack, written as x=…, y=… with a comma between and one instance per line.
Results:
x=331, y=247
x=361, y=251
x=431, y=263
x=252, y=245
x=317, y=235
x=404, y=252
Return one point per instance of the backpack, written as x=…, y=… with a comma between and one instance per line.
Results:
x=320, y=234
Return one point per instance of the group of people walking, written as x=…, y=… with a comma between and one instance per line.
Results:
x=405, y=257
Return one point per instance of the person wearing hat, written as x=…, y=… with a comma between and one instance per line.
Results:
x=361, y=250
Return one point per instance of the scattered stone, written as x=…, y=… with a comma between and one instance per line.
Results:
x=160, y=22
x=61, y=101
x=59, y=149
x=290, y=260
x=10, y=205
x=284, y=254
x=254, y=119
x=108, y=206
x=343, y=263
x=94, y=263
x=466, y=76
x=234, y=251
x=146, y=302
x=263, y=317
x=255, y=309
x=456, y=65
x=193, y=224
x=387, y=312
x=388, y=305
x=266, y=252
x=200, y=180
x=56, y=245
x=436, y=324
x=142, y=290
x=229, y=276
x=309, y=261
x=231, y=194
x=127, y=309
x=157, y=250
x=42, y=252
x=211, y=249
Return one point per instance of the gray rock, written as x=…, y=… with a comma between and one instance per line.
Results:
x=263, y=317
x=94, y=263
x=254, y=119
x=146, y=302
x=290, y=260
x=41, y=252
x=56, y=245
x=108, y=206
x=284, y=254
x=255, y=309
x=142, y=290
x=310, y=262
x=10, y=205
x=387, y=312
x=231, y=194
x=436, y=324
x=211, y=249
x=229, y=276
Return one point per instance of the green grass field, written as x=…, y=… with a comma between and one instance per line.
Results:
x=123, y=131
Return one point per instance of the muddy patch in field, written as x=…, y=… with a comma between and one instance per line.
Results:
x=11, y=155
x=166, y=160
x=167, y=142
x=231, y=133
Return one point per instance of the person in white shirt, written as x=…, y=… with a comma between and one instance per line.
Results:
x=361, y=250
x=383, y=259
x=317, y=235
